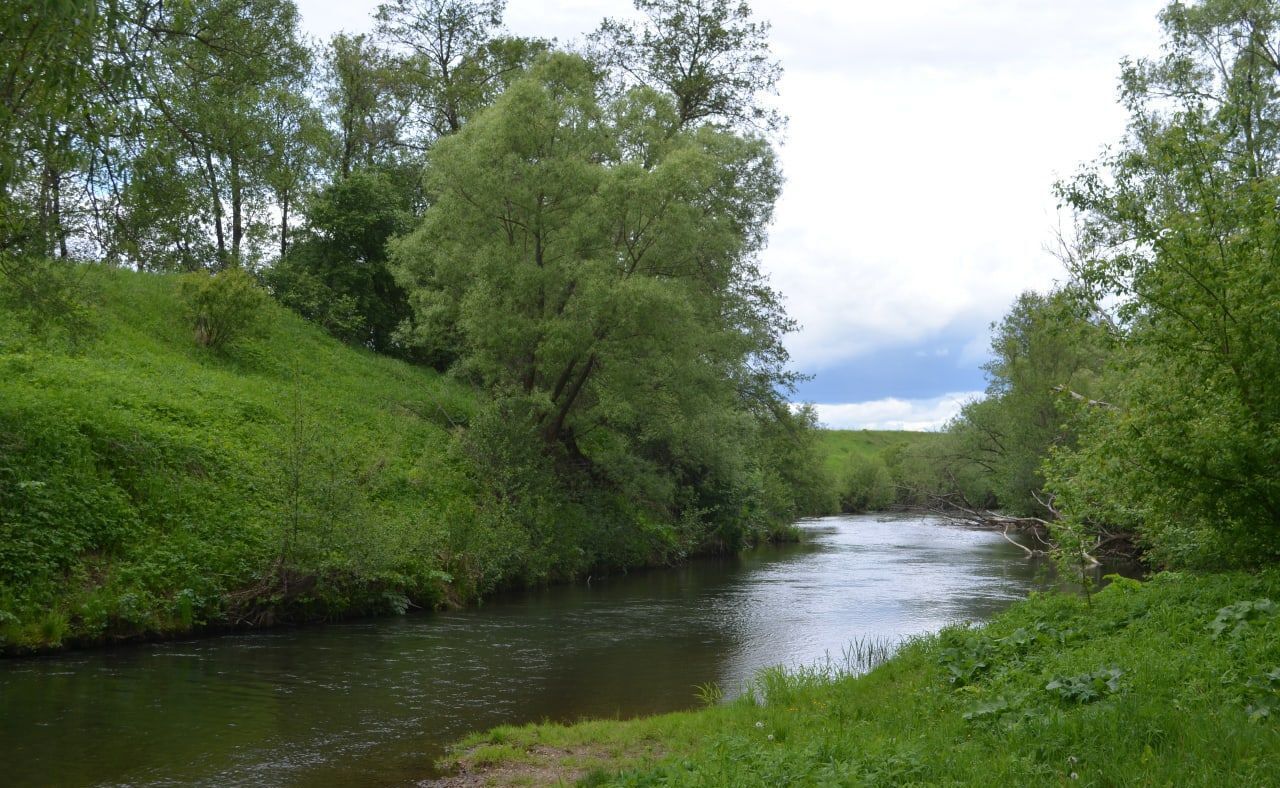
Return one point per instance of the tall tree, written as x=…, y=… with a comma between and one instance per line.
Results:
x=1047, y=351
x=46, y=58
x=215, y=89
x=368, y=102
x=611, y=290
x=1180, y=225
x=336, y=272
x=711, y=55
x=453, y=56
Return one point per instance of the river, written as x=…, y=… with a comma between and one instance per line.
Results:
x=375, y=702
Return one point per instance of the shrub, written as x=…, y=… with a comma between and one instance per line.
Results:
x=222, y=307
x=51, y=298
x=867, y=486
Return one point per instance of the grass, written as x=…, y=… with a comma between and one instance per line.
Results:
x=841, y=446
x=148, y=485
x=1175, y=681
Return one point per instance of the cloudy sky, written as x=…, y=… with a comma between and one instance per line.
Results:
x=923, y=144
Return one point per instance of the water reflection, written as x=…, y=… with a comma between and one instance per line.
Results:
x=373, y=703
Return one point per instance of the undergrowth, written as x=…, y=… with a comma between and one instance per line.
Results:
x=154, y=481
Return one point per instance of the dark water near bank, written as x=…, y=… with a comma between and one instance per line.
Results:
x=374, y=703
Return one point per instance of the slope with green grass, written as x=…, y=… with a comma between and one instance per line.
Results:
x=1175, y=681
x=148, y=485
x=864, y=468
x=841, y=447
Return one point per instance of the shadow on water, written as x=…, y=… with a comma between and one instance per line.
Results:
x=375, y=702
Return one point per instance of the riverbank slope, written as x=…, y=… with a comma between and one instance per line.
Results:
x=1175, y=681
x=150, y=486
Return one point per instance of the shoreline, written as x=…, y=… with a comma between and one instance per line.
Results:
x=1137, y=685
x=217, y=630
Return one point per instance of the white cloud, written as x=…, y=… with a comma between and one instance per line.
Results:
x=924, y=142
x=893, y=413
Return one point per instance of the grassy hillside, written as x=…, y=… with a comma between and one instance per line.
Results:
x=841, y=446
x=148, y=485
x=1171, y=682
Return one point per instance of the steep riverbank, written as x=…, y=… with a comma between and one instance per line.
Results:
x=1175, y=681
x=150, y=487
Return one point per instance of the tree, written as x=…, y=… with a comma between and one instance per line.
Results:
x=157, y=134
x=336, y=273
x=612, y=293
x=215, y=89
x=46, y=55
x=709, y=54
x=367, y=102
x=1046, y=348
x=1179, y=226
x=452, y=58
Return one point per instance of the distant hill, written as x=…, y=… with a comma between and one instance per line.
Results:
x=840, y=446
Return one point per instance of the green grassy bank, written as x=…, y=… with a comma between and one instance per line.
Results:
x=150, y=486
x=871, y=470
x=1175, y=681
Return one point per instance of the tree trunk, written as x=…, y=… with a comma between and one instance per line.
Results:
x=217, y=207
x=237, y=210
x=284, y=223
x=556, y=427
x=58, y=228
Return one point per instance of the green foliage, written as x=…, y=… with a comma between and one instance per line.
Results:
x=46, y=55
x=964, y=657
x=147, y=486
x=48, y=299
x=866, y=486
x=1086, y=687
x=1178, y=227
x=797, y=482
x=839, y=447
x=1048, y=354
x=936, y=472
x=450, y=57
x=335, y=273
x=1233, y=620
x=223, y=307
x=710, y=55
x=610, y=294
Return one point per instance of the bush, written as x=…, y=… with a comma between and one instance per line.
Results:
x=222, y=307
x=868, y=486
x=50, y=298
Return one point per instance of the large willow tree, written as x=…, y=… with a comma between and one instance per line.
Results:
x=594, y=266
x=1180, y=225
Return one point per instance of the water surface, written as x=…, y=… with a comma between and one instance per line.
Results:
x=375, y=702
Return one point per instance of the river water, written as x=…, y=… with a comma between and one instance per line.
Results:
x=375, y=702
